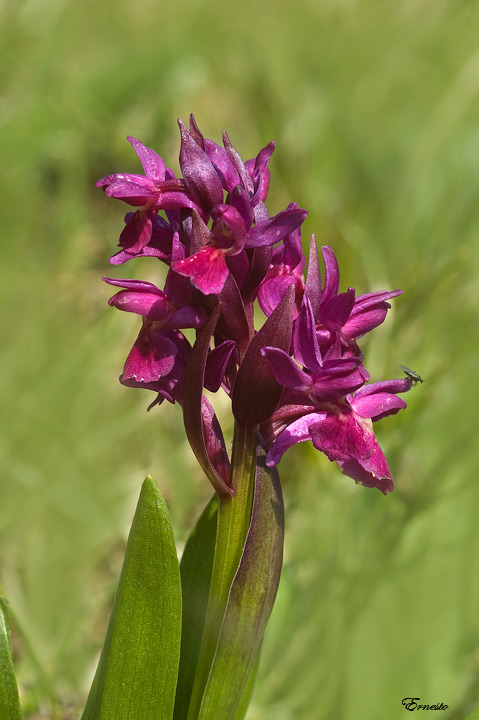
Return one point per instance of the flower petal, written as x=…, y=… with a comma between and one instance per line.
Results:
x=131, y=192
x=357, y=326
x=375, y=298
x=398, y=385
x=206, y=269
x=185, y=317
x=373, y=472
x=153, y=165
x=272, y=289
x=200, y=176
x=148, y=305
x=261, y=184
x=276, y=228
x=336, y=380
x=378, y=405
x=313, y=279
x=335, y=311
x=135, y=285
x=244, y=176
x=240, y=200
x=340, y=437
x=151, y=357
x=297, y=432
x=137, y=232
x=123, y=255
x=290, y=254
x=331, y=274
x=131, y=178
x=285, y=370
x=222, y=164
x=353, y=445
x=305, y=342
x=228, y=230
x=260, y=163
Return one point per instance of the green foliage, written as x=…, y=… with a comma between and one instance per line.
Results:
x=373, y=107
x=243, y=705
x=473, y=715
x=138, y=668
x=250, y=601
x=196, y=565
x=9, y=701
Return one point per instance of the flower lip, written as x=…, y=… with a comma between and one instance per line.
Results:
x=207, y=269
x=144, y=298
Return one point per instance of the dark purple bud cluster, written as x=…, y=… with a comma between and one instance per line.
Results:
x=301, y=376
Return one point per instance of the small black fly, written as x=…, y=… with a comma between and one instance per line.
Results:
x=415, y=377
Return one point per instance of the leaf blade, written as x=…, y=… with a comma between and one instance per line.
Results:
x=243, y=705
x=473, y=715
x=250, y=602
x=9, y=700
x=195, y=567
x=137, y=671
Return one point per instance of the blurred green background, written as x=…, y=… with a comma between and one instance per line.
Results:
x=374, y=109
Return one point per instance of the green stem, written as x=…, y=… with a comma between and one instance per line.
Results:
x=234, y=515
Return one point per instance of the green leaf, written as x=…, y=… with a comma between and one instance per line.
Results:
x=244, y=702
x=251, y=599
x=138, y=668
x=474, y=715
x=196, y=565
x=9, y=701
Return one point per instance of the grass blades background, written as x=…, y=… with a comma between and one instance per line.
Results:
x=374, y=108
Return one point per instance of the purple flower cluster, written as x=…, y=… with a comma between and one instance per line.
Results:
x=301, y=376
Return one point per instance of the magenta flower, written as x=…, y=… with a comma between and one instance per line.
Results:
x=208, y=268
x=169, y=308
x=156, y=189
x=158, y=358
x=297, y=376
x=157, y=361
x=322, y=379
x=144, y=298
x=319, y=402
x=286, y=268
x=200, y=176
x=302, y=375
x=343, y=431
x=343, y=314
x=145, y=234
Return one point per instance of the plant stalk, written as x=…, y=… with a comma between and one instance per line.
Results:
x=234, y=515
